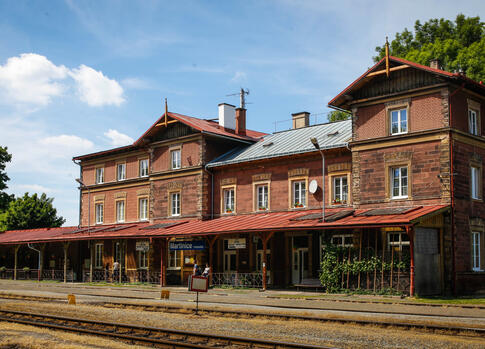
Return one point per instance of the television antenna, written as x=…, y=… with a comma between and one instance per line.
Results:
x=242, y=97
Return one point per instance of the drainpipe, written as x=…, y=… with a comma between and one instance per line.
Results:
x=38, y=251
x=452, y=190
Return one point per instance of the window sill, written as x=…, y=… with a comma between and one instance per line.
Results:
x=398, y=134
x=477, y=270
x=298, y=208
x=143, y=219
x=399, y=198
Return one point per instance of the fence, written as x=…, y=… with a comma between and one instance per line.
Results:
x=33, y=274
x=127, y=276
x=238, y=279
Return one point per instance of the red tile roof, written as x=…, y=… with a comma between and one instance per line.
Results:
x=204, y=126
x=444, y=73
x=256, y=222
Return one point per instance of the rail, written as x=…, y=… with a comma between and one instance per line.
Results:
x=141, y=334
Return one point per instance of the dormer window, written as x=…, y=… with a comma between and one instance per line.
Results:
x=398, y=121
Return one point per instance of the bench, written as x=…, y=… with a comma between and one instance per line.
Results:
x=310, y=284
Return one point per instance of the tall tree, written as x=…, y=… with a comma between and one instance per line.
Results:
x=459, y=45
x=30, y=212
x=4, y=197
x=338, y=115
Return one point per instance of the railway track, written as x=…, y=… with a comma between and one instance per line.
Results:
x=427, y=327
x=153, y=336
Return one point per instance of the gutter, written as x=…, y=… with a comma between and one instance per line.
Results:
x=80, y=191
x=227, y=137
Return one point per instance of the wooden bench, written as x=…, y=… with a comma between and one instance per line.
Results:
x=309, y=284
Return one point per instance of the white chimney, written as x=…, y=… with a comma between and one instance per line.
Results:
x=227, y=116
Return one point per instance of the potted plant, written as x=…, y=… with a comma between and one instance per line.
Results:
x=27, y=272
x=228, y=210
x=336, y=201
x=3, y=271
x=298, y=204
x=262, y=208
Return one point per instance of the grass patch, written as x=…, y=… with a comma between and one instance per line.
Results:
x=449, y=300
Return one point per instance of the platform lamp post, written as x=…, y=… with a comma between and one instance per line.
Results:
x=317, y=146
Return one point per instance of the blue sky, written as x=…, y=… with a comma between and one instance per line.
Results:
x=82, y=76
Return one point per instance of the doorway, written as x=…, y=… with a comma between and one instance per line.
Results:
x=300, y=265
x=230, y=261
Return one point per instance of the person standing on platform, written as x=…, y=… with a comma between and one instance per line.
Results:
x=116, y=271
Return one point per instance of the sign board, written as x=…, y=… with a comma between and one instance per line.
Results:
x=142, y=246
x=198, y=283
x=234, y=244
x=186, y=245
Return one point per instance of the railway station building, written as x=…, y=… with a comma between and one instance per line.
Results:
x=399, y=205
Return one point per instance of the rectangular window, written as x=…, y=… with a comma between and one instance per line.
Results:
x=299, y=194
x=397, y=241
x=176, y=159
x=262, y=197
x=174, y=259
x=399, y=121
x=175, y=204
x=399, y=182
x=476, y=258
x=228, y=200
x=144, y=168
x=472, y=122
x=99, y=175
x=340, y=190
x=475, y=182
x=142, y=259
x=99, y=210
x=143, y=209
x=120, y=211
x=342, y=240
x=98, y=256
x=121, y=172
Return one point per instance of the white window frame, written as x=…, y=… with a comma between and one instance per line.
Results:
x=175, y=207
x=98, y=256
x=176, y=159
x=142, y=259
x=143, y=167
x=143, y=209
x=264, y=204
x=342, y=240
x=120, y=211
x=473, y=122
x=99, y=212
x=340, y=198
x=475, y=182
x=299, y=193
x=99, y=175
x=399, y=121
x=229, y=200
x=121, y=171
x=476, y=252
x=400, y=182
x=400, y=243
x=174, y=259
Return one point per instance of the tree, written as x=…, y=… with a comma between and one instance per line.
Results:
x=30, y=212
x=458, y=45
x=4, y=197
x=338, y=115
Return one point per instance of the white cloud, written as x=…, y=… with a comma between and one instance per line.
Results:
x=136, y=84
x=118, y=139
x=33, y=188
x=95, y=88
x=65, y=146
x=239, y=76
x=31, y=78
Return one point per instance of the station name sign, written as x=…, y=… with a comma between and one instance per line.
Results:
x=186, y=245
x=235, y=244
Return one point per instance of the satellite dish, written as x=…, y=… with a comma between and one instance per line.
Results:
x=313, y=187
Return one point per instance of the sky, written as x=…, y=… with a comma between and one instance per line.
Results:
x=82, y=76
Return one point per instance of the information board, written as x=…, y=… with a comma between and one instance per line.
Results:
x=234, y=244
x=142, y=246
x=198, y=283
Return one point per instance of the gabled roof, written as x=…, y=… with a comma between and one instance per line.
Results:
x=291, y=142
x=399, y=63
x=201, y=125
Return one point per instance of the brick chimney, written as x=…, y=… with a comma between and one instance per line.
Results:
x=301, y=119
x=434, y=63
x=241, y=121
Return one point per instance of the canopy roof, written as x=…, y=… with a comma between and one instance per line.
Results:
x=342, y=218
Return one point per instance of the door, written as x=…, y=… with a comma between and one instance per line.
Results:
x=300, y=265
x=229, y=261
